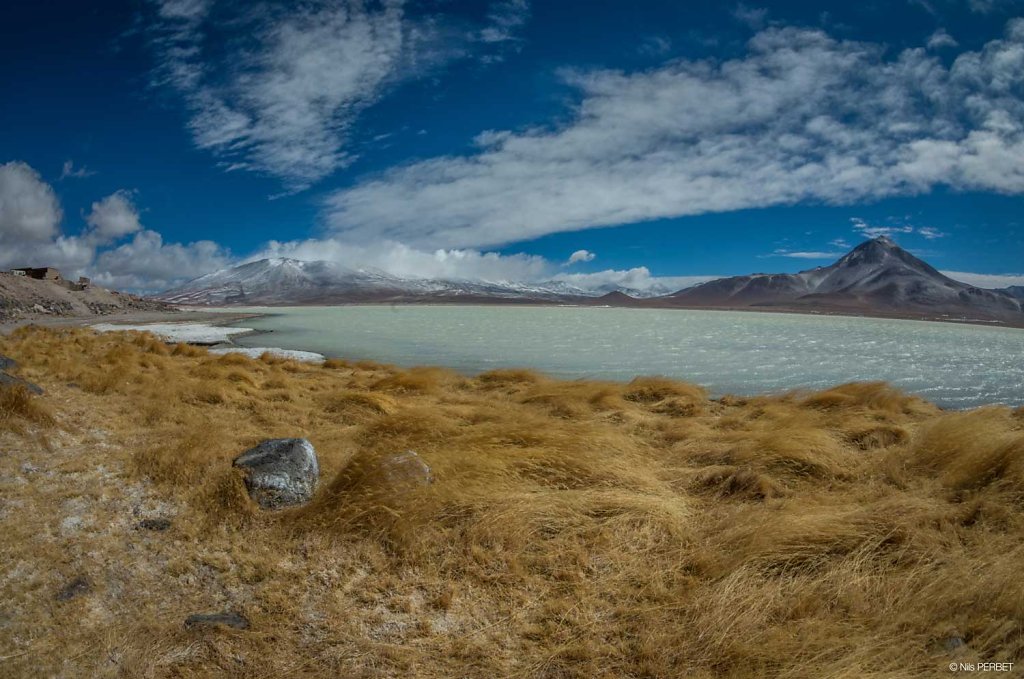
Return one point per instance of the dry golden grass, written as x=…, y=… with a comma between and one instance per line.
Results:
x=574, y=529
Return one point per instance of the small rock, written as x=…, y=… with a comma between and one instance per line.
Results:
x=403, y=471
x=7, y=363
x=280, y=472
x=71, y=524
x=11, y=381
x=79, y=585
x=155, y=524
x=954, y=643
x=229, y=619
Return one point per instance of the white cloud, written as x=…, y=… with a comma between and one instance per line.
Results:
x=581, y=256
x=985, y=280
x=114, y=217
x=753, y=17
x=940, y=39
x=29, y=209
x=282, y=97
x=505, y=18
x=638, y=279
x=31, y=235
x=655, y=46
x=840, y=243
x=799, y=254
x=930, y=233
x=401, y=260
x=873, y=231
x=469, y=264
x=283, y=101
x=70, y=171
x=802, y=117
x=147, y=263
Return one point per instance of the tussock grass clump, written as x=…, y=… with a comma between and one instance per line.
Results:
x=875, y=396
x=571, y=529
x=963, y=459
x=19, y=406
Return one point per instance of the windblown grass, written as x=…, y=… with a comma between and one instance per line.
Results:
x=574, y=529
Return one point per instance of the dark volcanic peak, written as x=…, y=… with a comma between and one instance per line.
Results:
x=877, y=276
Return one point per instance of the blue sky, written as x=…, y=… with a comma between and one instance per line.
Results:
x=149, y=142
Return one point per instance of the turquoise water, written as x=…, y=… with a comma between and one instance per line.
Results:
x=956, y=366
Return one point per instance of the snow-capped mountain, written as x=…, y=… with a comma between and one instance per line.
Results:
x=292, y=281
x=877, y=276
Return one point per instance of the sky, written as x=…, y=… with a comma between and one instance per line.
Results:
x=642, y=142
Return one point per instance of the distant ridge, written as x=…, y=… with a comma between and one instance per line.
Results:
x=876, y=278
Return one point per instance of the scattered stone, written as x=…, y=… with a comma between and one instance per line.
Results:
x=155, y=524
x=79, y=585
x=7, y=363
x=280, y=472
x=229, y=619
x=12, y=381
x=403, y=471
x=71, y=524
x=954, y=643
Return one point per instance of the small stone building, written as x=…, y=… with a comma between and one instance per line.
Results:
x=44, y=273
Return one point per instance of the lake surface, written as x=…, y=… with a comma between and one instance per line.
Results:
x=955, y=366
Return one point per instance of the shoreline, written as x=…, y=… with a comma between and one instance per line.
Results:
x=641, y=305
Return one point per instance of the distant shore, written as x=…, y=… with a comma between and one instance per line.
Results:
x=131, y=317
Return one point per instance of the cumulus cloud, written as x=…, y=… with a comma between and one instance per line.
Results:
x=401, y=260
x=940, y=39
x=29, y=209
x=31, y=235
x=985, y=280
x=114, y=217
x=801, y=117
x=581, y=256
x=638, y=279
x=147, y=263
x=398, y=259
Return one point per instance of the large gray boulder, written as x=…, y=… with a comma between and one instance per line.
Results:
x=7, y=363
x=280, y=472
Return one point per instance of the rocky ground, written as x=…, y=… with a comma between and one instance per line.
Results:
x=28, y=299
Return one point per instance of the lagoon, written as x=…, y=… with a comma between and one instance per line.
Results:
x=746, y=353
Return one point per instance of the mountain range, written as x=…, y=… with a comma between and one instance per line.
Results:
x=876, y=278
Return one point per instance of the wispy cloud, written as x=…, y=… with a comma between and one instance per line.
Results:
x=805, y=254
x=802, y=117
x=874, y=231
x=655, y=46
x=68, y=170
x=505, y=19
x=752, y=17
x=281, y=93
x=984, y=280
